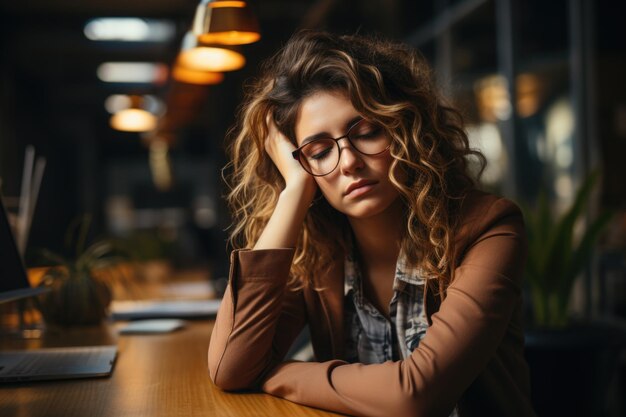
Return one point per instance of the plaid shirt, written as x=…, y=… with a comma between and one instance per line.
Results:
x=370, y=337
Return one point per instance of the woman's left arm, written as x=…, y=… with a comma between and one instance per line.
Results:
x=464, y=335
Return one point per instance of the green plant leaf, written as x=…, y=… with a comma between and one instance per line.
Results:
x=554, y=261
x=561, y=249
x=537, y=226
x=582, y=254
x=543, y=233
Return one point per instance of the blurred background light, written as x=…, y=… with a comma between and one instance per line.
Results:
x=225, y=23
x=160, y=165
x=493, y=99
x=133, y=120
x=132, y=72
x=129, y=29
x=191, y=76
x=118, y=102
x=226, y=3
x=205, y=58
x=528, y=90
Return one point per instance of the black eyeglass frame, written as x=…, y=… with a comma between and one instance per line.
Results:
x=296, y=153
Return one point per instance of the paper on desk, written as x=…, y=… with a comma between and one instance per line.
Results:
x=146, y=309
x=152, y=326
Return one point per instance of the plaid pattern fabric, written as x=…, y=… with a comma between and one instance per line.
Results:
x=370, y=337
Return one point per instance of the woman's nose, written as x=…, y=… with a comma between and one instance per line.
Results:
x=349, y=158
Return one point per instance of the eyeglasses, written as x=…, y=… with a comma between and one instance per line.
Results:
x=321, y=156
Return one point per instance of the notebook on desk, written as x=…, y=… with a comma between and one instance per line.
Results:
x=41, y=364
x=153, y=309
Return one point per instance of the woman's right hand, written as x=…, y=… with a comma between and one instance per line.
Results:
x=279, y=148
x=283, y=228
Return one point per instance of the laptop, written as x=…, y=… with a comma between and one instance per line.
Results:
x=47, y=363
x=57, y=363
x=13, y=280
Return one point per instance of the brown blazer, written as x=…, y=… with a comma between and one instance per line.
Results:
x=472, y=353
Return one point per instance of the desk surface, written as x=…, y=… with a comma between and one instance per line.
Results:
x=155, y=375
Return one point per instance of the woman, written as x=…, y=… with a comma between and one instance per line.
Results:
x=351, y=192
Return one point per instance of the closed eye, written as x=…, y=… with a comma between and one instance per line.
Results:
x=320, y=155
x=318, y=149
x=367, y=132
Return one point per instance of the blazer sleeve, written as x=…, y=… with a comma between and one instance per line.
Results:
x=258, y=319
x=463, y=337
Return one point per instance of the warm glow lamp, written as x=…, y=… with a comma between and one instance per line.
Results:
x=133, y=120
x=225, y=22
x=191, y=76
x=133, y=117
x=200, y=57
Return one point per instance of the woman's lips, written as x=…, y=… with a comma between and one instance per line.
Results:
x=359, y=188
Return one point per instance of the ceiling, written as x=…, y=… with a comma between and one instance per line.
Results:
x=51, y=97
x=46, y=53
x=49, y=66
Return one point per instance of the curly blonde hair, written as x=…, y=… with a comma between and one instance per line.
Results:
x=386, y=82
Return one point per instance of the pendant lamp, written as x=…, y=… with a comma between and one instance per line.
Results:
x=191, y=76
x=201, y=57
x=134, y=117
x=225, y=22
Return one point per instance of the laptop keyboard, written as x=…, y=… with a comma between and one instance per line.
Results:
x=56, y=361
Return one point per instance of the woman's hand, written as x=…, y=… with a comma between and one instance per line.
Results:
x=286, y=221
x=279, y=148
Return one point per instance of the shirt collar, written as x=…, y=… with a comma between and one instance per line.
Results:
x=405, y=272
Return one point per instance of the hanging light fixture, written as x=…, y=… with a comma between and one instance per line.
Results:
x=133, y=120
x=132, y=116
x=201, y=57
x=225, y=22
x=191, y=76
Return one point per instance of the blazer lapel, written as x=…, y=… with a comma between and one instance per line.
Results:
x=325, y=309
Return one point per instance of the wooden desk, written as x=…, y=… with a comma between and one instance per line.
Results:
x=155, y=375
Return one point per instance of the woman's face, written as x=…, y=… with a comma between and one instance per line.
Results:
x=359, y=187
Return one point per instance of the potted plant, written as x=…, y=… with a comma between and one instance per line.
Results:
x=80, y=287
x=555, y=257
x=570, y=361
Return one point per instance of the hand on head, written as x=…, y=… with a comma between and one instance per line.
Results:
x=279, y=149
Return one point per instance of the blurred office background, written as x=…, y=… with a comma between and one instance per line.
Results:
x=541, y=84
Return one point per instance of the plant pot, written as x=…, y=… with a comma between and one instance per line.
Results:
x=571, y=368
x=78, y=299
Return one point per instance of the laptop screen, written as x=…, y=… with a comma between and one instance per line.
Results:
x=13, y=280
